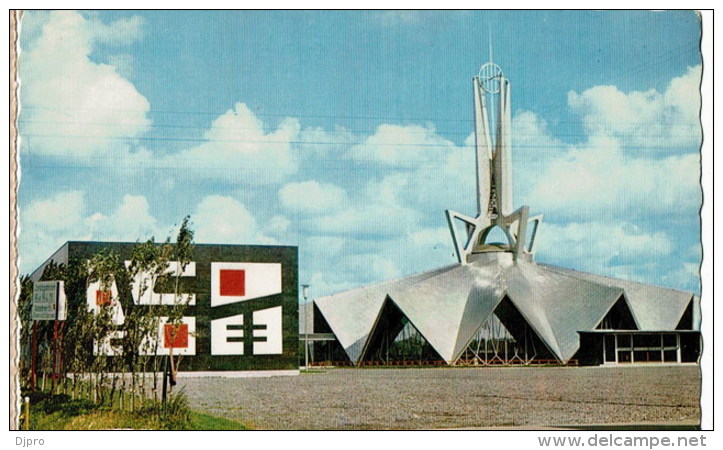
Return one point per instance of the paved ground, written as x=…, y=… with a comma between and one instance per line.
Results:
x=455, y=397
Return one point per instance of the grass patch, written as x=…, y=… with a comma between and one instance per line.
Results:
x=60, y=412
x=110, y=420
x=200, y=421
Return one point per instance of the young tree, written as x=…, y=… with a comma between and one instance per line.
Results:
x=78, y=339
x=102, y=268
x=183, y=254
x=148, y=262
x=25, y=303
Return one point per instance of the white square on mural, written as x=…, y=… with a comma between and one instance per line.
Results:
x=237, y=282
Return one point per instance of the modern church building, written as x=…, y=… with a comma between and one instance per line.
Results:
x=497, y=305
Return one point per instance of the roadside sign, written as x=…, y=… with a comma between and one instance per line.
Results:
x=49, y=301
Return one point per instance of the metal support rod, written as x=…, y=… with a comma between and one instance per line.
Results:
x=34, y=357
x=616, y=348
x=304, y=292
x=54, y=364
x=61, y=334
x=306, y=351
x=487, y=338
x=165, y=381
x=506, y=357
x=386, y=346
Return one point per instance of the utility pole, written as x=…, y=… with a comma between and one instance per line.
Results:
x=305, y=294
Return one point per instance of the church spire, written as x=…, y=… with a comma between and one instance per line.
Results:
x=493, y=123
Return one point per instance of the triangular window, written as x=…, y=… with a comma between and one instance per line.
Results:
x=505, y=338
x=618, y=318
x=327, y=352
x=396, y=341
x=686, y=320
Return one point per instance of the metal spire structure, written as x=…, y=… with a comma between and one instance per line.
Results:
x=494, y=175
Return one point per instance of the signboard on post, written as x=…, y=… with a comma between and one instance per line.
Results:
x=49, y=301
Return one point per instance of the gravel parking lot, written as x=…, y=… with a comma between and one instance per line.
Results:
x=434, y=398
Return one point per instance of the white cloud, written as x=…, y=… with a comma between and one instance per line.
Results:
x=224, y=220
x=367, y=268
x=597, y=246
x=123, y=64
x=640, y=157
x=687, y=276
x=644, y=120
x=429, y=238
x=619, y=250
x=683, y=94
x=530, y=136
x=310, y=197
x=368, y=221
x=328, y=246
x=321, y=284
x=240, y=150
x=48, y=223
x=70, y=104
x=120, y=32
x=394, y=221
x=319, y=145
x=131, y=221
x=278, y=226
x=403, y=147
x=426, y=248
x=61, y=211
x=422, y=170
x=603, y=180
x=338, y=261
x=533, y=147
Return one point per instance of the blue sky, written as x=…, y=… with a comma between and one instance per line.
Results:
x=348, y=134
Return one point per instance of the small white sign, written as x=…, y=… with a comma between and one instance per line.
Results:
x=49, y=301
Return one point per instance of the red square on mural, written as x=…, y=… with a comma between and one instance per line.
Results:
x=102, y=298
x=233, y=282
x=175, y=336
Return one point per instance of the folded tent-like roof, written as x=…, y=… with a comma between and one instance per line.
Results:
x=448, y=305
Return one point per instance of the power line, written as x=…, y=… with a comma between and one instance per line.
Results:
x=256, y=114
x=312, y=130
x=337, y=143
